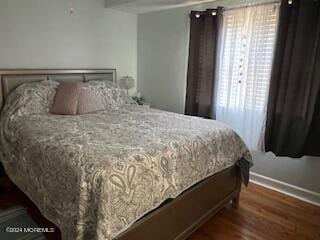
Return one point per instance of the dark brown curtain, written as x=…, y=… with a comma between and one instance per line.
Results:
x=204, y=30
x=293, y=122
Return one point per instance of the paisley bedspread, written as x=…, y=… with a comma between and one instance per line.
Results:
x=94, y=175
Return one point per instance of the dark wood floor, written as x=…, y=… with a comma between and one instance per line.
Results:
x=261, y=214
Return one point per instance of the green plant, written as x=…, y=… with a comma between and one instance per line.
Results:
x=140, y=100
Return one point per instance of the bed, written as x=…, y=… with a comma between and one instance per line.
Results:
x=121, y=174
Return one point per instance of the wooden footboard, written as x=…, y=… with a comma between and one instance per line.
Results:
x=180, y=217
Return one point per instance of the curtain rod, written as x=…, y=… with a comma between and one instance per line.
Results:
x=201, y=12
x=252, y=5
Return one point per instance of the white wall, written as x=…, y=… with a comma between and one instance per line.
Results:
x=163, y=39
x=43, y=34
x=162, y=58
x=301, y=172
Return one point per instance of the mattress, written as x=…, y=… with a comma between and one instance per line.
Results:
x=94, y=175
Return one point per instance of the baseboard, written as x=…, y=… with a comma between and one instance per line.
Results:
x=285, y=188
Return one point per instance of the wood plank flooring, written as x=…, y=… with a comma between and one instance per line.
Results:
x=262, y=214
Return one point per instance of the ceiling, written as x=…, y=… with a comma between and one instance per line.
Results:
x=143, y=6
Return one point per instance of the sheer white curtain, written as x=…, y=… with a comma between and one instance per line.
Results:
x=246, y=53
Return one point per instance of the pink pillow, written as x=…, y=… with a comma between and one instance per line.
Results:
x=66, y=99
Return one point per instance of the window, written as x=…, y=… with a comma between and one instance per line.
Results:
x=246, y=54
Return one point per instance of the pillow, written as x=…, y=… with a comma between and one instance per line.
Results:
x=114, y=96
x=89, y=101
x=102, y=93
x=66, y=99
x=31, y=98
x=51, y=83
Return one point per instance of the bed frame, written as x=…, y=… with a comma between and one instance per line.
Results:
x=175, y=219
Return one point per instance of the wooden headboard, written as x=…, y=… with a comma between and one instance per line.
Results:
x=11, y=78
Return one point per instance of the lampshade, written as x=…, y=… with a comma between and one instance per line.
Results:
x=127, y=82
